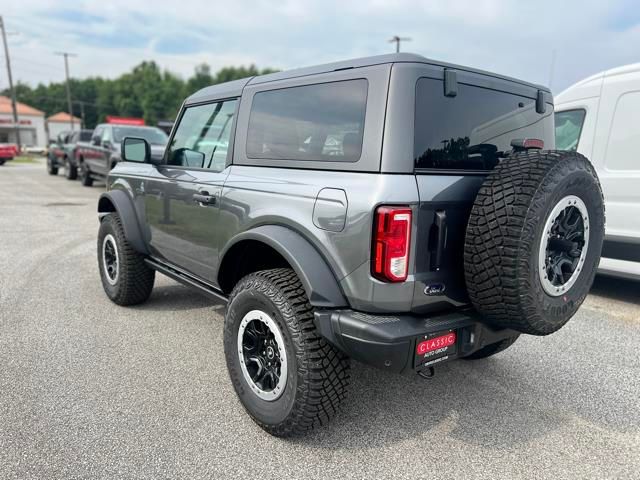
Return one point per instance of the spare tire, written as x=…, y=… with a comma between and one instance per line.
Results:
x=534, y=239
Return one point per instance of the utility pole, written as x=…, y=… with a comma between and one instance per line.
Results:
x=397, y=41
x=14, y=106
x=66, y=56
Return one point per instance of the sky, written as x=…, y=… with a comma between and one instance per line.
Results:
x=519, y=38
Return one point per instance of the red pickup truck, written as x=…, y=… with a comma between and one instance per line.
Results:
x=7, y=152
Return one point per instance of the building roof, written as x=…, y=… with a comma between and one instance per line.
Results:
x=62, y=117
x=5, y=107
x=235, y=88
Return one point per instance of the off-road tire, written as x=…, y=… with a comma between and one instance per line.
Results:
x=492, y=349
x=505, y=231
x=85, y=177
x=135, y=279
x=71, y=171
x=51, y=168
x=317, y=373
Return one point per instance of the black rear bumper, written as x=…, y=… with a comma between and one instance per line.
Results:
x=389, y=341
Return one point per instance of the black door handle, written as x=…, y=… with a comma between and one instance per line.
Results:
x=441, y=226
x=204, y=198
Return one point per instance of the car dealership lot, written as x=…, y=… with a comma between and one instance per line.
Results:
x=89, y=389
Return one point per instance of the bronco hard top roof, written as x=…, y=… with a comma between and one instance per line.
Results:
x=234, y=88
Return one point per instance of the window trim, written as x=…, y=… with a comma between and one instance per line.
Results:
x=584, y=119
x=176, y=125
x=364, y=121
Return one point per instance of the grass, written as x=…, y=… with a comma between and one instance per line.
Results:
x=24, y=159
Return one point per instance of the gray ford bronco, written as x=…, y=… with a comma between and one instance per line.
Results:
x=395, y=210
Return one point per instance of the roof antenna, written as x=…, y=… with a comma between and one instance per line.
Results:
x=397, y=40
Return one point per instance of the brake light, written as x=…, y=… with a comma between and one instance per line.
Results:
x=391, y=241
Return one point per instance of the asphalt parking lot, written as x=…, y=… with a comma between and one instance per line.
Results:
x=92, y=390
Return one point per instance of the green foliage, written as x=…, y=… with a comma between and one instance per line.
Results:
x=146, y=92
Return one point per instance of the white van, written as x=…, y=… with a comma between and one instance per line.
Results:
x=600, y=118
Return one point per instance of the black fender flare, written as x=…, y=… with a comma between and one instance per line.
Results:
x=317, y=278
x=120, y=202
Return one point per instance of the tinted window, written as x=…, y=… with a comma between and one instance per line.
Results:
x=471, y=130
x=312, y=122
x=568, y=128
x=153, y=135
x=202, y=137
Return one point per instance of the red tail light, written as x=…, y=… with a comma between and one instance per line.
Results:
x=391, y=241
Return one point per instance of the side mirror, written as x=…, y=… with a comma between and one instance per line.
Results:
x=135, y=150
x=95, y=140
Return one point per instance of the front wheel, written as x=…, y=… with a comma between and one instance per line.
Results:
x=288, y=378
x=126, y=278
x=2, y=160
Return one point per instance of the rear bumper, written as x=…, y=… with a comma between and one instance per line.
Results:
x=389, y=341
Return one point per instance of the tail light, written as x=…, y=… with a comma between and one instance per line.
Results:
x=391, y=241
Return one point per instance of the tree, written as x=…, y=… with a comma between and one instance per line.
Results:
x=146, y=91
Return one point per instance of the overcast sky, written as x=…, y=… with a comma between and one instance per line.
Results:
x=511, y=37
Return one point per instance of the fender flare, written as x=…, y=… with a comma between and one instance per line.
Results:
x=120, y=202
x=317, y=278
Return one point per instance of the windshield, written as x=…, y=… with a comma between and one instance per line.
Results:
x=568, y=129
x=154, y=136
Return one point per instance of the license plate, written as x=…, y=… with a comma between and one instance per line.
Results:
x=435, y=348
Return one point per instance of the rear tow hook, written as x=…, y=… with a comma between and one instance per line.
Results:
x=427, y=373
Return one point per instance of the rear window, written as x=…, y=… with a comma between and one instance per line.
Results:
x=471, y=130
x=322, y=122
x=568, y=129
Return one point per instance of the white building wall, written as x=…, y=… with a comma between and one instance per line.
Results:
x=56, y=127
x=32, y=129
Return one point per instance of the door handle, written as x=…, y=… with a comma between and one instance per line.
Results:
x=441, y=226
x=203, y=198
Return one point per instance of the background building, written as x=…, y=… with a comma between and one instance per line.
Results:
x=31, y=121
x=62, y=122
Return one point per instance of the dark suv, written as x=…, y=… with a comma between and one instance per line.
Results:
x=395, y=210
x=63, y=152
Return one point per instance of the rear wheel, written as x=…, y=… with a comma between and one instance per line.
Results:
x=52, y=168
x=288, y=378
x=85, y=175
x=126, y=278
x=533, y=240
x=71, y=170
x=2, y=160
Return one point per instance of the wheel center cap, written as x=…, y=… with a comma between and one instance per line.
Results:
x=270, y=353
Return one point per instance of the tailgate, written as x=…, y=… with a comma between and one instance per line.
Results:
x=443, y=212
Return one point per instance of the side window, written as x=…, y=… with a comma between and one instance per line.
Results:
x=202, y=137
x=471, y=130
x=106, y=135
x=624, y=136
x=568, y=128
x=97, y=133
x=322, y=122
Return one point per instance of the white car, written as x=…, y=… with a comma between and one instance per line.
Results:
x=600, y=118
